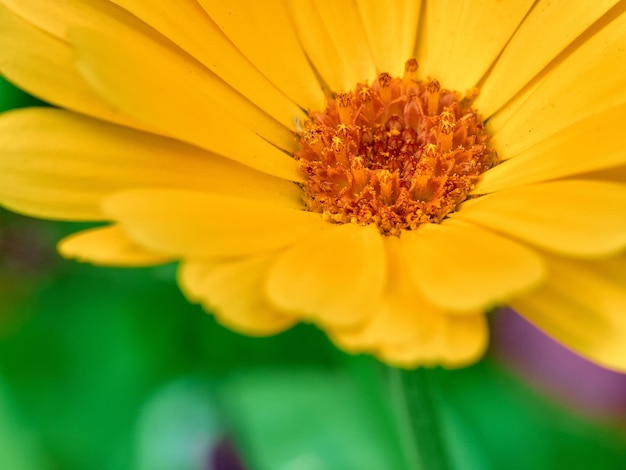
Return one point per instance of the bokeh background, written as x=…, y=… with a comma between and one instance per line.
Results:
x=104, y=368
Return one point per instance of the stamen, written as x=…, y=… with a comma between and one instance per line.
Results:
x=418, y=187
x=410, y=70
x=385, y=179
x=446, y=130
x=339, y=149
x=312, y=138
x=344, y=105
x=384, y=83
x=413, y=113
x=433, y=88
x=359, y=176
x=367, y=107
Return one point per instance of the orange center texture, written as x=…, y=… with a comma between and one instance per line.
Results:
x=399, y=153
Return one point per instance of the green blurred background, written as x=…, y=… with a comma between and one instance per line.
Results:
x=105, y=368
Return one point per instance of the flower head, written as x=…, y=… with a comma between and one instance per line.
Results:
x=331, y=162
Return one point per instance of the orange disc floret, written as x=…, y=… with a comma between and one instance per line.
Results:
x=399, y=153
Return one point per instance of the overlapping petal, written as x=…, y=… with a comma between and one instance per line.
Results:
x=462, y=267
x=233, y=290
x=186, y=24
x=108, y=246
x=582, y=87
x=44, y=66
x=318, y=45
x=194, y=224
x=460, y=341
x=401, y=314
x=407, y=330
x=345, y=29
x=582, y=305
x=263, y=32
x=571, y=217
x=391, y=29
x=192, y=105
x=334, y=277
x=595, y=143
x=461, y=39
x=57, y=164
x=551, y=26
x=115, y=52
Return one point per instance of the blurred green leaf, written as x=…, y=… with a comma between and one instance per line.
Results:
x=19, y=448
x=313, y=418
x=178, y=426
x=95, y=344
x=495, y=421
x=308, y=419
x=83, y=364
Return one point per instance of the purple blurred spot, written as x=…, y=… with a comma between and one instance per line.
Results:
x=224, y=456
x=25, y=247
x=556, y=370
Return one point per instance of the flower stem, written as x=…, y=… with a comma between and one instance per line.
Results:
x=418, y=419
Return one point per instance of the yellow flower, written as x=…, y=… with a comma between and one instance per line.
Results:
x=212, y=133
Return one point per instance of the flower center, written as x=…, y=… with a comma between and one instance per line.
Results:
x=399, y=153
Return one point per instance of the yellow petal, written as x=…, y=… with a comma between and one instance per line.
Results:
x=44, y=66
x=461, y=39
x=186, y=24
x=463, y=267
x=58, y=17
x=391, y=28
x=319, y=47
x=130, y=64
x=402, y=314
x=508, y=111
x=195, y=224
x=334, y=278
x=345, y=28
x=407, y=331
x=459, y=342
x=20, y=195
x=596, y=143
x=549, y=28
x=108, y=246
x=586, y=83
x=615, y=174
x=263, y=32
x=467, y=339
x=232, y=291
x=175, y=95
x=572, y=217
x=57, y=164
x=582, y=306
